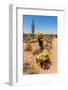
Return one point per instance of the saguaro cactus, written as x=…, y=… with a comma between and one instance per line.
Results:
x=33, y=28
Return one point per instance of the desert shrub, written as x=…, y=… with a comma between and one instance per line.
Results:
x=28, y=44
x=32, y=70
x=28, y=68
x=33, y=40
x=48, y=39
x=28, y=47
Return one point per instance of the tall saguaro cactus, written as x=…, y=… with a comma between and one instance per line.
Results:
x=33, y=28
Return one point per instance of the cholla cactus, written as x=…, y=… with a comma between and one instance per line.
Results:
x=42, y=56
x=40, y=35
x=43, y=59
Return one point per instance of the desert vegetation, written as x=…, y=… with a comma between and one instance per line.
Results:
x=39, y=53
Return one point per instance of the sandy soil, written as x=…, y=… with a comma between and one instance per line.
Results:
x=28, y=57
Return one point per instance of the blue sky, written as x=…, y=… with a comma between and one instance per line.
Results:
x=46, y=24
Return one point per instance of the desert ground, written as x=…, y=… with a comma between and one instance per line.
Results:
x=30, y=58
